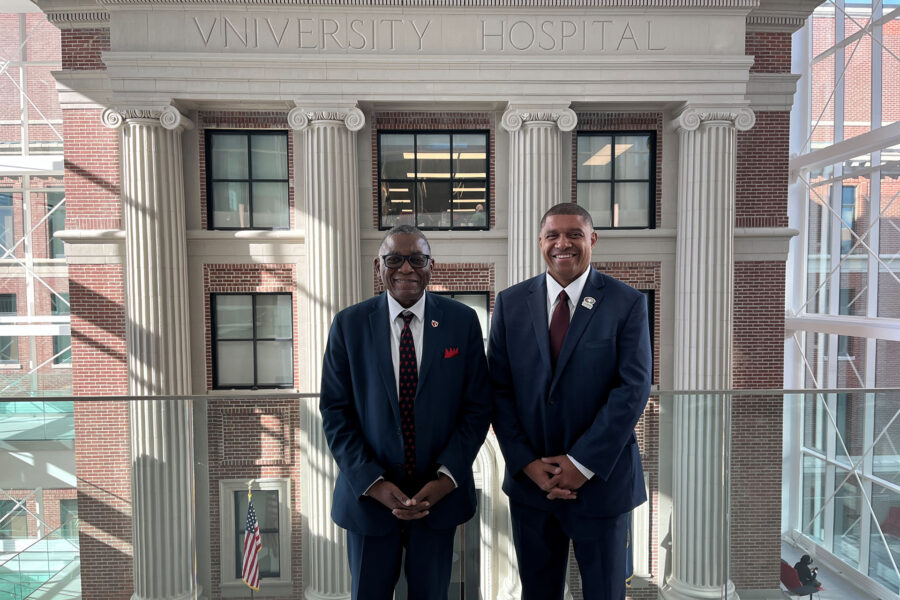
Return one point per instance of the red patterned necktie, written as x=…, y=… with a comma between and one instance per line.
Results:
x=409, y=380
x=559, y=324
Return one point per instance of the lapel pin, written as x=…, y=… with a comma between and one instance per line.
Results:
x=588, y=302
x=434, y=323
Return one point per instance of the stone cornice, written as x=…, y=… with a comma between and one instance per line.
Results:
x=68, y=19
x=518, y=115
x=776, y=23
x=741, y=117
x=301, y=117
x=169, y=117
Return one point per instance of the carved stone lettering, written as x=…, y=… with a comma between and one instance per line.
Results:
x=342, y=34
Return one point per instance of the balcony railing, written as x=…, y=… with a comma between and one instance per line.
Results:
x=827, y=461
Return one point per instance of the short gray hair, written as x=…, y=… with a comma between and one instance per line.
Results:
x=403, y=230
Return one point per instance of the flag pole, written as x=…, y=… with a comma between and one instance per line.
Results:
x=250, y=497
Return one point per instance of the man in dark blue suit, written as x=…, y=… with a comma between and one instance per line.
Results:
x=405, y=404
x=570, y=365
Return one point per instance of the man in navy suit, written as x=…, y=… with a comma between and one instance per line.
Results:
x=570, y=365
x=405, y=404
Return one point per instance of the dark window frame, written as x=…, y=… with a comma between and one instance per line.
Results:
x=215, y=339
x=415, y=181
x=60, y=308
x=241, y=528
x=210, y=200
x=53, y=242
x=651, y=180
x=10, y=197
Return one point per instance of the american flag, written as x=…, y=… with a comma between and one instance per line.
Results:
x=252, y=546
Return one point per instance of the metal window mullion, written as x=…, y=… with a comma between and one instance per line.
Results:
x=250, y=195
x=452, y=178
x=830, y=466
x=612, y=182
x=253, y=323
x=865, y=529
x=839, y=60
x=416, y=179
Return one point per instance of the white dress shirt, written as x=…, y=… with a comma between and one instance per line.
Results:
x=417, y=329
x=573, y=291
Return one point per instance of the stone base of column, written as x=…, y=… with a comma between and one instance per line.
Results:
x=310, y=594
x=679, y=590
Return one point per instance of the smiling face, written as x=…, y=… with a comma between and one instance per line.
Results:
x=405, y=284
x=566, y=242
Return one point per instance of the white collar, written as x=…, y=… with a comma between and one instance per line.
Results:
x=573, y=290
x=395, y=309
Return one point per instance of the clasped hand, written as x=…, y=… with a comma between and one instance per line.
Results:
x=409, y=509
x=557, y=476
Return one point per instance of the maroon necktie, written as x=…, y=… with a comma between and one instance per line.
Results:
x=409, y=380
x=559, y=324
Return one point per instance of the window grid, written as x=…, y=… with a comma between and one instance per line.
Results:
x=254, y=340
x=650, y=180
x=250, y=180
x=415, y=182
x=240, y=523
x=62, y=344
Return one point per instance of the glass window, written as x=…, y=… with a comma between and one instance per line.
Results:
x=62, y=344
x=477, y=301
x=886, y=511
x=265, y=505
x=813, y=517
x=9, y=345
x=56, y=208
x=847, y=516
x=258, y=327
x=247, y=180
x=615, y=178
x=435, y=180
x=68, y=518
x=14, y=526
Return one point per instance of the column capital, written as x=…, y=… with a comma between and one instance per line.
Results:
x=741, y=117
x=301, y=117
x=168, y=117
x=517, y=115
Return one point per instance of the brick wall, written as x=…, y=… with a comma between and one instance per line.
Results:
x=771, y=51
x=593, y=122
x=92, y=172
x=439, y=121
x=247, y=279
x=242, y=120
x=761, y=189
x=251, y=439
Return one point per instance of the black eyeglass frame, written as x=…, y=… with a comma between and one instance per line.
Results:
x=405, y=258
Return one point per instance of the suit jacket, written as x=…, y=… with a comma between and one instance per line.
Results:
x=360, y=410
x=587, y=407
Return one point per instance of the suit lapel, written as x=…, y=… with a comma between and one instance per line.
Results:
x=381, y=334
x=432, y=339
x=593, y=288
x=537, y=305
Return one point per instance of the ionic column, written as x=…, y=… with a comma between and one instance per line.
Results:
x=162, y=470
x=535, y=162
x=704, y=264
x=333, y=283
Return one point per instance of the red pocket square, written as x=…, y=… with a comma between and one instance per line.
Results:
x=451, y=352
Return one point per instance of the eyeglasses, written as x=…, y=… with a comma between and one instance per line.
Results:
x=395, y=261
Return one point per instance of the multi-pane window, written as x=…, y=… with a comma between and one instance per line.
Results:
x=56, y=221
x=253, y=341
x=477, y=301
x=62, y=344
x=433, y=180
x=615, y=178
x=9, y=345
x=68, y=518
x=247, y=179
x=266, y=507
x=7, y=231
